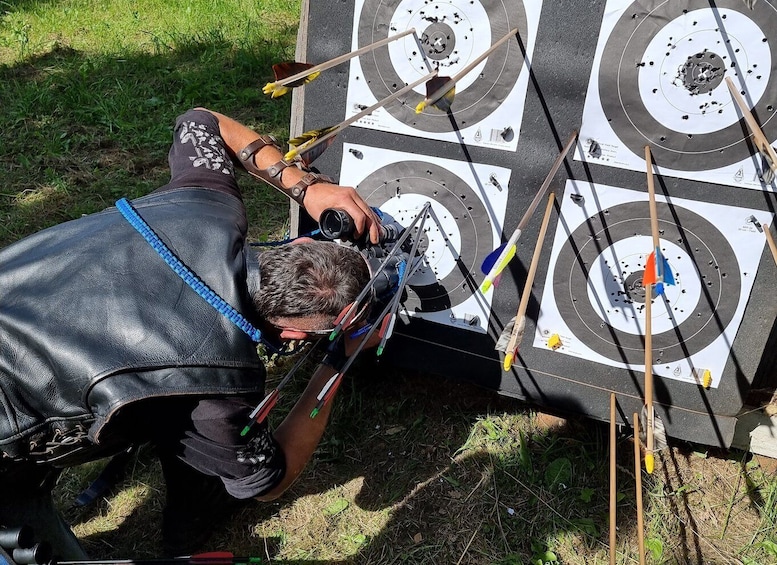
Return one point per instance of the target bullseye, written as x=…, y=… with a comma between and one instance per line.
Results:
x=450, y=39
x=667, y=87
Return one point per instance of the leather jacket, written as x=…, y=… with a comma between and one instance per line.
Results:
x=92, y=320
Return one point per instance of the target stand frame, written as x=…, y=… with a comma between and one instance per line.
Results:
x=561, y=63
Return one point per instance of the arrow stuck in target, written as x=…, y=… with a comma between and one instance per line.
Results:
x=441, y=91
x=292, y=74
x=303, y=146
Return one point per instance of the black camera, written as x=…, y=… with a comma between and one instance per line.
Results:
x=338, y=224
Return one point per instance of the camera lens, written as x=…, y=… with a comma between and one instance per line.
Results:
x=335, y=224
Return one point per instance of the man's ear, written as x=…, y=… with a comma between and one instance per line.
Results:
x=293, y=334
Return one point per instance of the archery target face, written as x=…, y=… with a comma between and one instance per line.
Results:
x=489, y=99
x=594, y=298
x=468, y=202
x=659, y=78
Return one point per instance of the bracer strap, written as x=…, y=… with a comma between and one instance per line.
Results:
x=272, y=174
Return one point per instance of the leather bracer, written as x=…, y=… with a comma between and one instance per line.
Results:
x=272, y=175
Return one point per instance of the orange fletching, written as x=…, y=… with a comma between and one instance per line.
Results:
x=650, y=276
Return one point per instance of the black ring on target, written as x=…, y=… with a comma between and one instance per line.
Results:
x=626, y=112
x=712, y=256
x=473, y=103
x=452, y=193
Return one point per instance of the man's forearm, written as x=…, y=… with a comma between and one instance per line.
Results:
x=299, y=434
x=290, y=180
x=236, y=136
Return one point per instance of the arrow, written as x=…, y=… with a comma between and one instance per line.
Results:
x=650, y=417
x=493, y=267
x=441, y=92
x=331, y=386
x=657, y=269
x=520, y=316
x=304, y=73
x=759, y=139
x=258, y=414
x=305, y=143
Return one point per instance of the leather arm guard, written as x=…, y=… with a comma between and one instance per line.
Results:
x=272, y=174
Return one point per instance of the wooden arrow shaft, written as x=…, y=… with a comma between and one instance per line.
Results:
x=343, y=58
x=337, y=129
x=652, y=198
x=512, y=345
x=649, y=367
x=440, y=92
x=761, y=143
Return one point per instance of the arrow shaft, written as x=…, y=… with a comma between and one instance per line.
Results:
x=341, y=126
x=343, y=58
x=649, y=367
x=520, y=316
x=496, y=269
x=652, y=201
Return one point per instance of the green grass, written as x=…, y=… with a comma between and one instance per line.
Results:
x=90, y=91
x=413, y=469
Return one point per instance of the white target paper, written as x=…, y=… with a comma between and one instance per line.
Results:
x=468, y=199
x=489, y=100
x=593, y=297
x=658, y=78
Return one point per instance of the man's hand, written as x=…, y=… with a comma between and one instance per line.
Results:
x=322, y=195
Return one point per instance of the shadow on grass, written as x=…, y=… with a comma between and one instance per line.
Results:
x=79, y=131
x=427, y=466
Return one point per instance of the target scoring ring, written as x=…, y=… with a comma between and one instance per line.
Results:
x=479, y=93
x=683, y=88
x=628, y=107
x=700, y=245
x=618, y=295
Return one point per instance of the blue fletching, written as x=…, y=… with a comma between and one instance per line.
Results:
x=668, y=275
x=490, y=260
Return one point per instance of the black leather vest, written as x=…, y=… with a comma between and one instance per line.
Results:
x=92, y=319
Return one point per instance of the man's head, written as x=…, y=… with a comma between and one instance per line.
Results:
x=307, y=285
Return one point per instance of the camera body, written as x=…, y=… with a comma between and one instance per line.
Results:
x=338, y=224
x=386, y=265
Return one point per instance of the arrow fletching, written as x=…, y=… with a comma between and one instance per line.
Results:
x=300, y=143
x=498, y=265
x=440, y=92
x=285, y=70
x=651, y=274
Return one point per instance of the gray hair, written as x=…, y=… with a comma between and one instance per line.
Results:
x=310, y=279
